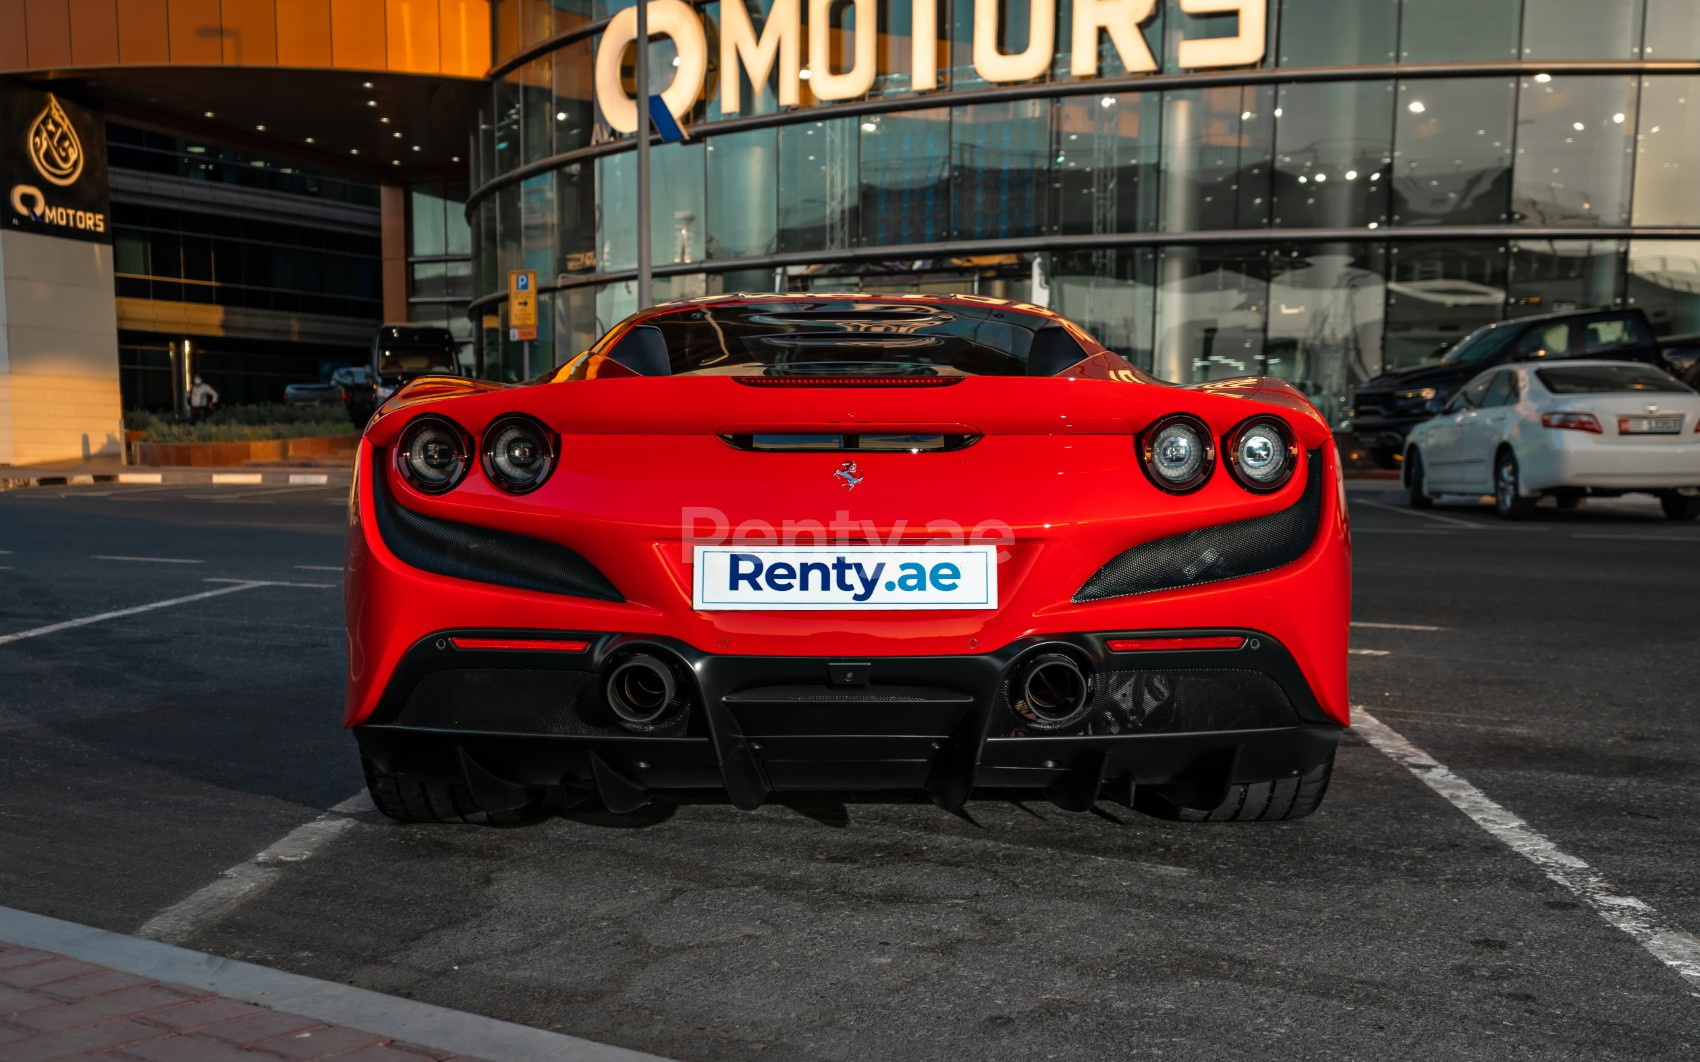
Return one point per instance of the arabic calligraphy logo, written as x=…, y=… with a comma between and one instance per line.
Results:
x=54, y=147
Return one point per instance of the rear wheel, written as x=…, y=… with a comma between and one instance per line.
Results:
x=1508, y=498
x=1275, y=801
x=1680, y=506
x=410, y=800
x=1415, y=481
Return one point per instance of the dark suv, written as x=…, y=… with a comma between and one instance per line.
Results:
x=1387, y=407
x=401, y=353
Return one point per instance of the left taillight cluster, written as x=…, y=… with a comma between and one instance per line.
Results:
x=1179, y=455
x=516, y=452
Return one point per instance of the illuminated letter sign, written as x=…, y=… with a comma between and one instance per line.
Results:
x=54, y=147
x=924, y=57
x=1243, y=49
x=739, y=44
x=826, y=83
x=667, y=18
x=1121, y=19
x=996, y=65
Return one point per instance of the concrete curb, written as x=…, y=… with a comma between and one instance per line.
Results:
x=326, y=1001
x=15, y=479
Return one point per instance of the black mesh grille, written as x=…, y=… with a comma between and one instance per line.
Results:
x=482, y=554
x=1212, y=554
x=1168, y=702
x=520, y=702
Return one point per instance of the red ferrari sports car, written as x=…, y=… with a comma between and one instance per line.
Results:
x=763, y=543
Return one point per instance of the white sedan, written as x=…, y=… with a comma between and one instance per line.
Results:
x=1568, y=430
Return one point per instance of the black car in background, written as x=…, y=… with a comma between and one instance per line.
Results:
x=401, y=353
x=332, y=392
x=1386, y=408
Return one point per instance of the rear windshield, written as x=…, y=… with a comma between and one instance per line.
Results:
x=415, y=350
x=843, y=337
x=1608, y=379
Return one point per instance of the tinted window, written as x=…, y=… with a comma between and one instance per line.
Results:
x=1479, y=345
x=416, y=350
x=1608, y=379
x=1476, y=393
x=1610, y=333
x=1502, y=391
x=1553, y=341
x=802, y=338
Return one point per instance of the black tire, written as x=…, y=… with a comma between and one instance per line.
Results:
x=1508, y=499
x=409, y=800
x=1680, y=506
x=1419, y=498
x=1281, y=800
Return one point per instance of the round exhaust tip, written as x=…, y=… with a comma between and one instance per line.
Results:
x=641, y=690
x=1052, y=692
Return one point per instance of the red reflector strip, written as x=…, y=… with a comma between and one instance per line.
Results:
x=848, y=381
x=1155, y=645
x=521, y=644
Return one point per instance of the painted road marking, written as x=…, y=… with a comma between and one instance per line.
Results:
x=147, y=560
x=52, y=628
x=1369, y=652
x=309, y=478
x=1395, y=626
x=237, y=477
x=246, y=880
x=141, y=477
x=1676, y=948
x=1425, y=514
x=272, y=582
x=318, y=568
x=1401, y=531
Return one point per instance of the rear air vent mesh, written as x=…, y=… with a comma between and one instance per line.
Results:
x=1212, y=554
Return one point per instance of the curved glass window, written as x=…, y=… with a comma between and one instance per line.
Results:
x=1575, y=144
x=1104, y=172
x=905, y=177
x=1582, y=29
x=819, y=185
x=999, y=170
x=1452, y=151
x=743, y=192
x=1333, y=147
x=1455, y=31
x=1339, y=32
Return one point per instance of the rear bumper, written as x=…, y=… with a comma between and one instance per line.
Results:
x=1189, y=721
x=1588, y=462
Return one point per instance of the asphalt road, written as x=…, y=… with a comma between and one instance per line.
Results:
x=143, y=756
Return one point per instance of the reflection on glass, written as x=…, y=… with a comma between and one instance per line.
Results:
x=818, y=192
x=1110, y=293
x=905, y=185
x=1582, y=29
x=537, y=225
x=427, y=215
x=576, y=327
x=575, y=198
x=1452, y=151
x=1673, y=31
x=1327, y=304
x=1104, y=172
x=1438, y=293
x=743, y=171
x=1574, y=150
x=676, y=207
x=1338, y=32
x=1333, y=148
x=537, y=98
x=1552, y=275
x=574, y=111
x=1217, y=145
x=1212, y=309
x=1457, y=31
x=506, y=129
x=1667, y=162
x=535, y=21
x=505, y=20
x=999, y=173
x=1664, y=280
x=507, y=232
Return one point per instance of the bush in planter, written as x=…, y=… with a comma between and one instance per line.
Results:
x=245, y=424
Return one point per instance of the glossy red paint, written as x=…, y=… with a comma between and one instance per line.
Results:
x=1159, y=645
x=643, y=468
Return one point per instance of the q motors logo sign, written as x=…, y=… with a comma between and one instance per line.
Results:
x=57, y=184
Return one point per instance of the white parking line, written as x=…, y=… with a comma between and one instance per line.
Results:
x=309, y=478
x=237, y=477
x=1369, y=652
x=244, y=881
x=141, y=477
x=1396, y=626
x=147, y=560
x=119, y=613
x=1676, y=948
x=317, y=568
x=273, y=582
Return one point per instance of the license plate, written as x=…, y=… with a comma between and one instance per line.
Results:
x=843, y=578
x=1649, y=425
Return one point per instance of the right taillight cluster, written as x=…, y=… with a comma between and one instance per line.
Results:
x=435, y=453
x=1179, y=455
x=1572, y=422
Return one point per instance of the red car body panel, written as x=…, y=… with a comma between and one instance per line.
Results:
x=1056, y=462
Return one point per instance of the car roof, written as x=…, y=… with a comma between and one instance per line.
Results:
x=1577, y=363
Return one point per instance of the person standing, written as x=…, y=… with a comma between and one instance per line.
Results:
x=202, y=398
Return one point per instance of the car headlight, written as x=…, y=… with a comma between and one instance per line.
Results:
x=1420, y=395
x=1177, y=453
x=519, y=454
x=433, y=454
x=1261, y=454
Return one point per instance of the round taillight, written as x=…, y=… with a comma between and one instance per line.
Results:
x=1261, y=454
x=1177, y=453
x=519, y=454
x=433, y=454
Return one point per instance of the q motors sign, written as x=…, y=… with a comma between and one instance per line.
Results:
x=793, y=26
x=52, y=166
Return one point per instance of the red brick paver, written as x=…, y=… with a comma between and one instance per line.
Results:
x=52, y=1007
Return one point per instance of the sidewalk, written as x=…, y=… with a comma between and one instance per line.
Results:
x=15, y=477
x=69, y=991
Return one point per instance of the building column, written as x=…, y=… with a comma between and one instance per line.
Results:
x=392, y=209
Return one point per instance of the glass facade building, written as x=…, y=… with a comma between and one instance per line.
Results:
x=1386, y=177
